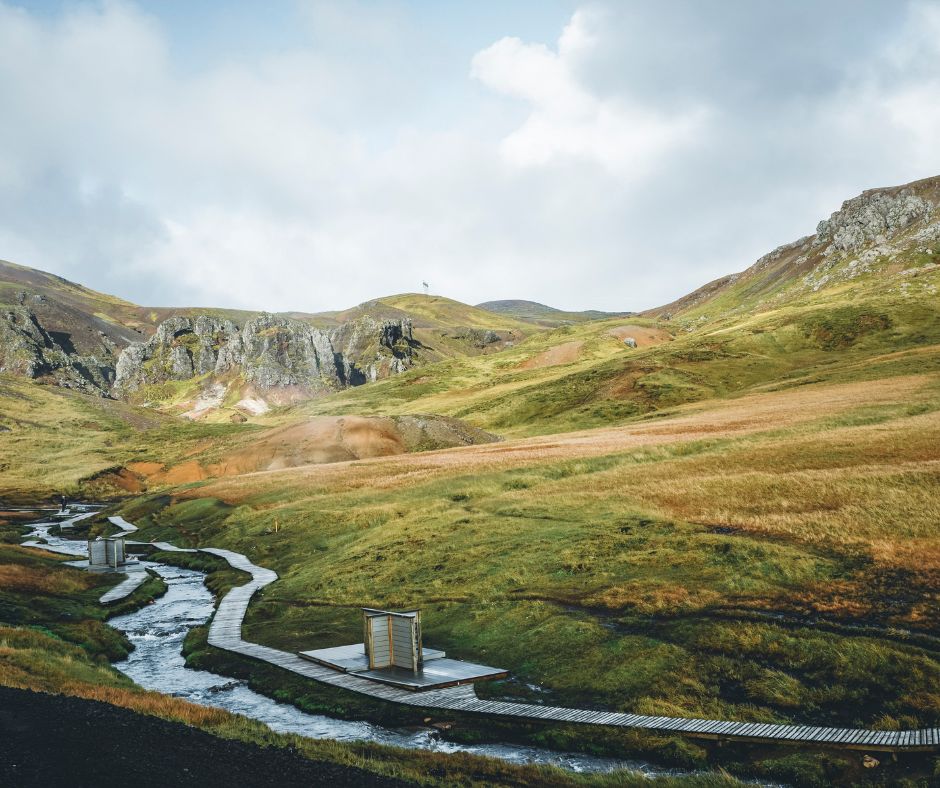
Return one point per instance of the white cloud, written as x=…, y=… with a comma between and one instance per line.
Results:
x=566, y=119
x=643, y=152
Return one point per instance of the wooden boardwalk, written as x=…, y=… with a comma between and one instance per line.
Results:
x=225, y=632
x=135, y=580
x=126, y=527
x=136, y=576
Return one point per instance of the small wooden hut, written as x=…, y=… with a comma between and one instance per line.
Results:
x=393, y=639
x=107, y=551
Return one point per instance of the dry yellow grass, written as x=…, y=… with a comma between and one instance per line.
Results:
x=14, y=577
x=565, y=353
x=710, y=420
x=784, y=464
x=644, y=567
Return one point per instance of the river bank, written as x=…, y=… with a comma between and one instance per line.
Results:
x=157, y=632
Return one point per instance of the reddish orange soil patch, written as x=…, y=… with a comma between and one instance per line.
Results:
x=644, y=335
x=560, y=354
x=145, y=468
x=184, y=473
x=324, y=439
x=122, y=479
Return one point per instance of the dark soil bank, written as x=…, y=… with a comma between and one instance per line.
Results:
x=54, y=740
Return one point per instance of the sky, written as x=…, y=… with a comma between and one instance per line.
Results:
x=310, y=155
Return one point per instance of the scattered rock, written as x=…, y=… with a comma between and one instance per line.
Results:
x=629, y=342
x=870, y=763
x=476, y=337
x=238, y=418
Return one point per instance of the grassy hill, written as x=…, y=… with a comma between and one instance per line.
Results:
x=584, y=376
x=444, y=327
x=858, y=300
x=74, y=309
x=55, y=441
x=733, y=515
x=884, y=239
x=542, y=315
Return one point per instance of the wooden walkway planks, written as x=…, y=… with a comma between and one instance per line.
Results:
x=126, y=527
x=124, y=589
x=225, y=633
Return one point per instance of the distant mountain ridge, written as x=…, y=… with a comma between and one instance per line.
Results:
x=544, y=315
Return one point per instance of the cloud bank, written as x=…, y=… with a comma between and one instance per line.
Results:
x=646, y=149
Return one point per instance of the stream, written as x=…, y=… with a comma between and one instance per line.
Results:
x=157, y=632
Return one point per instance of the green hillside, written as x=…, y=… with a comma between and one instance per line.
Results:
x=884, y=239
x=859, y=301
x=542, y=315
x=73, y=308
x=727, y=507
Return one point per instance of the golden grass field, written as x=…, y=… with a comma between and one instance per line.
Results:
x=785, y=456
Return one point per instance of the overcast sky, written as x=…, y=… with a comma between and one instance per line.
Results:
x=307, y=155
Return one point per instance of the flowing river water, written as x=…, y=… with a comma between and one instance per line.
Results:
x=157, y=632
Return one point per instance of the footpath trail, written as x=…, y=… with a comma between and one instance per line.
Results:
x=225, y=632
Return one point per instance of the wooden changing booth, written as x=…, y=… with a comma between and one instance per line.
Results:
x=392, y=639
x=108, y=551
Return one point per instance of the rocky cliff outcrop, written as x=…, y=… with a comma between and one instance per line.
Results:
x=30, y=350
x=872, y=217
x=269, y=352
x=368, y=350
x=892, y=234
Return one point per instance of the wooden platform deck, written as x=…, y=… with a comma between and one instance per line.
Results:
x=353, y=659
x=435, y=675
x=126, y=527
x=225, y=633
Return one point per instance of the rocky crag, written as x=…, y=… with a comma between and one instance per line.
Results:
x=34, y=344
x=275, y=357
x=368, y=350
x=893, y=234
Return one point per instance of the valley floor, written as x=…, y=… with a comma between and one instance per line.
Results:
x=768, y=558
